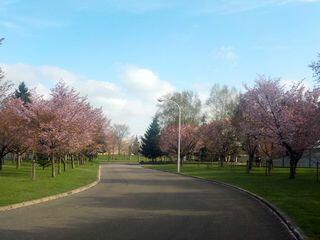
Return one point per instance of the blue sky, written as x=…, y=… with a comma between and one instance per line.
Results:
x=124, y=54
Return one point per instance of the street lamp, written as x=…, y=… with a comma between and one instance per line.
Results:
x=179, y=127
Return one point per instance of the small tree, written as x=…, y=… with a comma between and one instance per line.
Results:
x=150, y=141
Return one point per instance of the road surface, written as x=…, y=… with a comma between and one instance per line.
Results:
x=132, y=202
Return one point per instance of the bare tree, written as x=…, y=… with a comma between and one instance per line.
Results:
x=134, y=146
x=120, y=132
x=222, y=102
x=190, y=106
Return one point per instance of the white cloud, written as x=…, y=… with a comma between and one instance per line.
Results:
x=133, y=103
x=227, y=53
x=144, y=82
x=42, y=90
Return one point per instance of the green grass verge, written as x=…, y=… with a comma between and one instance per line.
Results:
x=16, y=184
x=298, y=198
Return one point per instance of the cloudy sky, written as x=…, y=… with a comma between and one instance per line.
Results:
x=124, y=54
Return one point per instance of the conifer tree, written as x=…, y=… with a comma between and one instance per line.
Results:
x=23, y=93
x=149, y=142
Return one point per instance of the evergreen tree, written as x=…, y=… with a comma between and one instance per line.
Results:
x=149, y=142
x=23, y=93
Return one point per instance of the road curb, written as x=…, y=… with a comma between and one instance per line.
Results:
x=286, y=221
x=53, y=197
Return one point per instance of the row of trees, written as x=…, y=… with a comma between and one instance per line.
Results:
x=64, y=127
x=268, y=120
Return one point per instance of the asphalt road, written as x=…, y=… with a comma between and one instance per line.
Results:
x=131, y=202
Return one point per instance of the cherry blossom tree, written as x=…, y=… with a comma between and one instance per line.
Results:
x=248, y=133
x=220, y=139
x=99, y=134
x=66, y=125
x=291, y=117
x=13, y=122
x=168, y=141
x=73, y=126
x=39, y=114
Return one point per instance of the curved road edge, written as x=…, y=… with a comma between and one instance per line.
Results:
x=53, y=197
x=286, y=221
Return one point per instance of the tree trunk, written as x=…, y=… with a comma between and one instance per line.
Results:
x=221, y=158
x=119, y=149
x=59, y=165
x=293, y=167
x=250, y=161
x=269, y=166
x=72, y=162
x=64, y=165
x=1, y=162
x=18, y=162
x=33, y=167
x=53, y=173
x=294, y=158
x=49, y=159
x=64, y=162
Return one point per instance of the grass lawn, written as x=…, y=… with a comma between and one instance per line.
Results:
x=298, y=198
x=16, y=184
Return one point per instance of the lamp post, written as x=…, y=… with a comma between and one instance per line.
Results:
x=179, y=128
